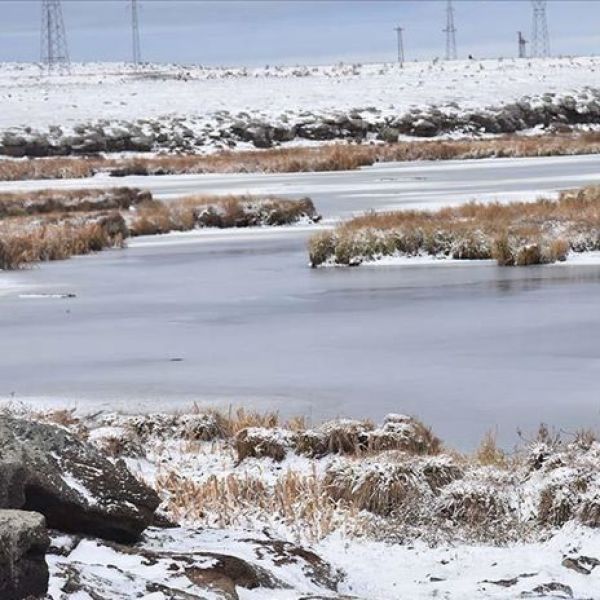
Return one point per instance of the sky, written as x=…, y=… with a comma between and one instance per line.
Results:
x=255, y=33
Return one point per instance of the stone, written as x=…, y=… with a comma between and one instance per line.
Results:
x=389, y=134
x=45, y=468
x=424, y=128
x=23, y=544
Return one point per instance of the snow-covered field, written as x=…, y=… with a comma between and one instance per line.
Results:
x=114, y=91
x=171, y=106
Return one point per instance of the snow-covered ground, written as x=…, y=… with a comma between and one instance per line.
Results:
x=373, y=570
x=194, y=108
x=114, y=91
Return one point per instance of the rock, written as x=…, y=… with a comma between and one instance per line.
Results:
x=47, y=469
x=553, y=589
x=23, y=545
x=260, y=136
x=389, y=134
x=90, y=144
x=581, y=564
x=283, y=133
x=318, y=131
x=425, y=128
x=226, y=573
x=313, y=567
x=141, y=143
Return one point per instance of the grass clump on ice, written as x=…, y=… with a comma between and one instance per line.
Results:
x=24, y=240
x=514, y=234
x=154, y=217
x=56, y=224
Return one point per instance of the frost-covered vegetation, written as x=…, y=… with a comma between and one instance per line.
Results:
x=56, y=224
x=516, y=233
x=253, y=506
x=394, y=482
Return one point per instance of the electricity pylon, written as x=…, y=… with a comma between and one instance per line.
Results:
x=135, y=34
x=539, y=35
x=399, y=31
x=450, y=32
x=54, y=50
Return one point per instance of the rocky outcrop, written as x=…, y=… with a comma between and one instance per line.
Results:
x=23, y=544
x=44, y=468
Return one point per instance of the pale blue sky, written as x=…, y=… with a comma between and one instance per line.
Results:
x=246, y=32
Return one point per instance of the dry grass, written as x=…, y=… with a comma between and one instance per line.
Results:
x=336, y=157
x=24, y=240
x=488, y=453
x=401, y=494
x=233, y=501
x=380, y=488
x=262, y=442
x=473, y=504
x=153, y=217
x=407, y=434
x=56, y=224
x=518, y=233
x=343, y=436
x=62, y=201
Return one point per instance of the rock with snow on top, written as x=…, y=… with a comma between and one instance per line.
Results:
x=45, y=468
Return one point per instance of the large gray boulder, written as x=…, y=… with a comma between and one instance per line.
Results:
x=23, y=545
x=46, y=469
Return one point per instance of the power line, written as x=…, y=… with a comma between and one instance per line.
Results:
x=540, y=38
x=399, y=31
x=54, y=51
x=135, y=34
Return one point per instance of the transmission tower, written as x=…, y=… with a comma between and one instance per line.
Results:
x=450, y=32
x=522, y=45
x=539, y=34
x=135, y=34
x=399, y=31
x=54, y=50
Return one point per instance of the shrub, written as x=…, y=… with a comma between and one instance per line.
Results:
x=400, y=432
x=379, y=487
x=260, y=442
x=345, y=436
x=473, y=503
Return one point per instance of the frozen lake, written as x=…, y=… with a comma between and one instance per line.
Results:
x=239, y=318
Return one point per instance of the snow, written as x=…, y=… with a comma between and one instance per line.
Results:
x=461, y=571
x=83, y=491
x=373, y=570
x=201, y=95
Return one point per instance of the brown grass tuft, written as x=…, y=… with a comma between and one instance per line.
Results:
x=344, y=436
x=489, y=454
x=24, y=240
x=379, y=487
x=260, y=442
x=400, y=432
x=153, y=217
